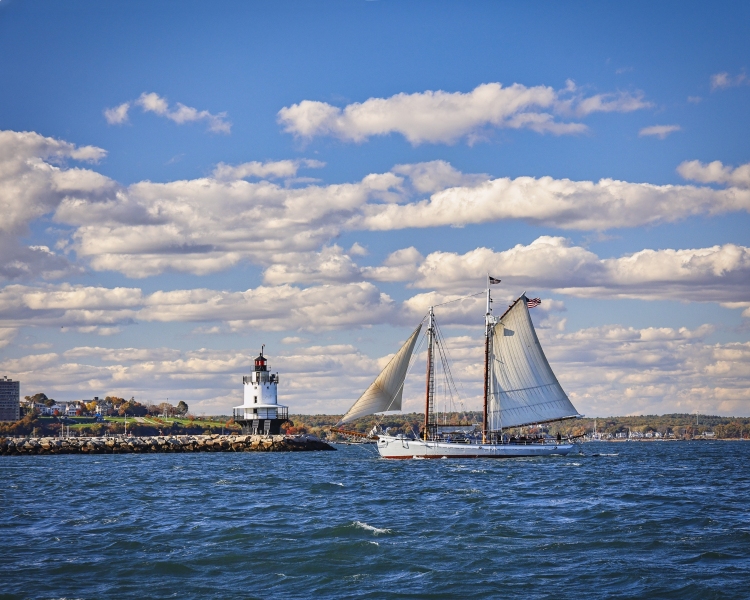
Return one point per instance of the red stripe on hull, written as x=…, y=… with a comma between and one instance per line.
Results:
x=457, y=456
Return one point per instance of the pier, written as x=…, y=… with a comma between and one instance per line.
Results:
x=162, y=444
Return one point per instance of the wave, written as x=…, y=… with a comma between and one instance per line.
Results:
x=366, y=527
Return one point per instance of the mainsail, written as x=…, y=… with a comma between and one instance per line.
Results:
x=385, y=392
x=523, y=388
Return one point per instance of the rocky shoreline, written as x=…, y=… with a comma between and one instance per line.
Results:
x=167, y=444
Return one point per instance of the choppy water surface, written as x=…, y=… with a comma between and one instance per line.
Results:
x=669, y=520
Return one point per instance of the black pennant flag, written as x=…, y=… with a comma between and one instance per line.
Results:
x=493, y=280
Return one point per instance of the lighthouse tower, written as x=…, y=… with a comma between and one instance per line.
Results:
x=260, y=412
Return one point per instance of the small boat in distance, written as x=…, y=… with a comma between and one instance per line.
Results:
x=520, y=389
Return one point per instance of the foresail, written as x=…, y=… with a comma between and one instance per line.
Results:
x=523, y=388
x=386, y=391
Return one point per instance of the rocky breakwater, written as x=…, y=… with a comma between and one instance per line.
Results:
x=154, y=444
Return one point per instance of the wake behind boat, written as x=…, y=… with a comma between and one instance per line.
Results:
x=520, y=389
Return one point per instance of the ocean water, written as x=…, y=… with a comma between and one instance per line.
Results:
x=665, y=520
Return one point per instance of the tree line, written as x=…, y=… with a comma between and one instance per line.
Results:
x=677, y=424
x=109, y=406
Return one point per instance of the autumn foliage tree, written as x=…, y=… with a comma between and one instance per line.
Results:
x=40, y=398
x=132, y=408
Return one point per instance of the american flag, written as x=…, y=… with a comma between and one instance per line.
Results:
x=533, y=302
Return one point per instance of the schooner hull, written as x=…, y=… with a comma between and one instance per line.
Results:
x=403, y=448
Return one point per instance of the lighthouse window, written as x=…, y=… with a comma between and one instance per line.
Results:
x=256, y=399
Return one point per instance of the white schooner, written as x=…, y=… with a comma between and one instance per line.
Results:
x=520, y=389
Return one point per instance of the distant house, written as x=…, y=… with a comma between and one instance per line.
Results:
x=104, y=408
x=42, y=409
x=69, y=409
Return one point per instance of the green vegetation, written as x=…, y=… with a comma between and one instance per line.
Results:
x=679, y=425
x=33, y=424
x=40, y=399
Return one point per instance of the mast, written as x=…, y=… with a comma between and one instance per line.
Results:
x=487, y=315
x=429, y=383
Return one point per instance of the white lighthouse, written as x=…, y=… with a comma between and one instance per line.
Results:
x=260, y=411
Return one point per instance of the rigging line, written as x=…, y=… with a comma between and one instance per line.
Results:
x=439, y=343
x=447, y=375
x=446, y=358
x=457, y=299
x=444, y=347
x=370, y=450
x=450, y=359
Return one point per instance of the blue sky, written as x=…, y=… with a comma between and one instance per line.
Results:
x=569, y=149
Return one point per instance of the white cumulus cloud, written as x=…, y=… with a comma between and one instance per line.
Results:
x=275, y=308
x=34, y=179
x=89, y=309
x=206, y=225
x=180, y=113
x=439, y=116
x=331, y=264
x=660, y=131
x=279, y=169
x=716, y=172
x=117, y=115
x=563, y=203
x=436, y=175
x=714, y=274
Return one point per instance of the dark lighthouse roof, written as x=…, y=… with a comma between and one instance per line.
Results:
x=261, y=362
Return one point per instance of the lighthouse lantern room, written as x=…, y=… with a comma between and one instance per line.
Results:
x=260, y=412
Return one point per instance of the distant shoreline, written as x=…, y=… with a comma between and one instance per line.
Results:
x=643, y=428
x=651, y=440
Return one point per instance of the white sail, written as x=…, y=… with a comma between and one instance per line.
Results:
x=523, y=388
x=385, y=392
